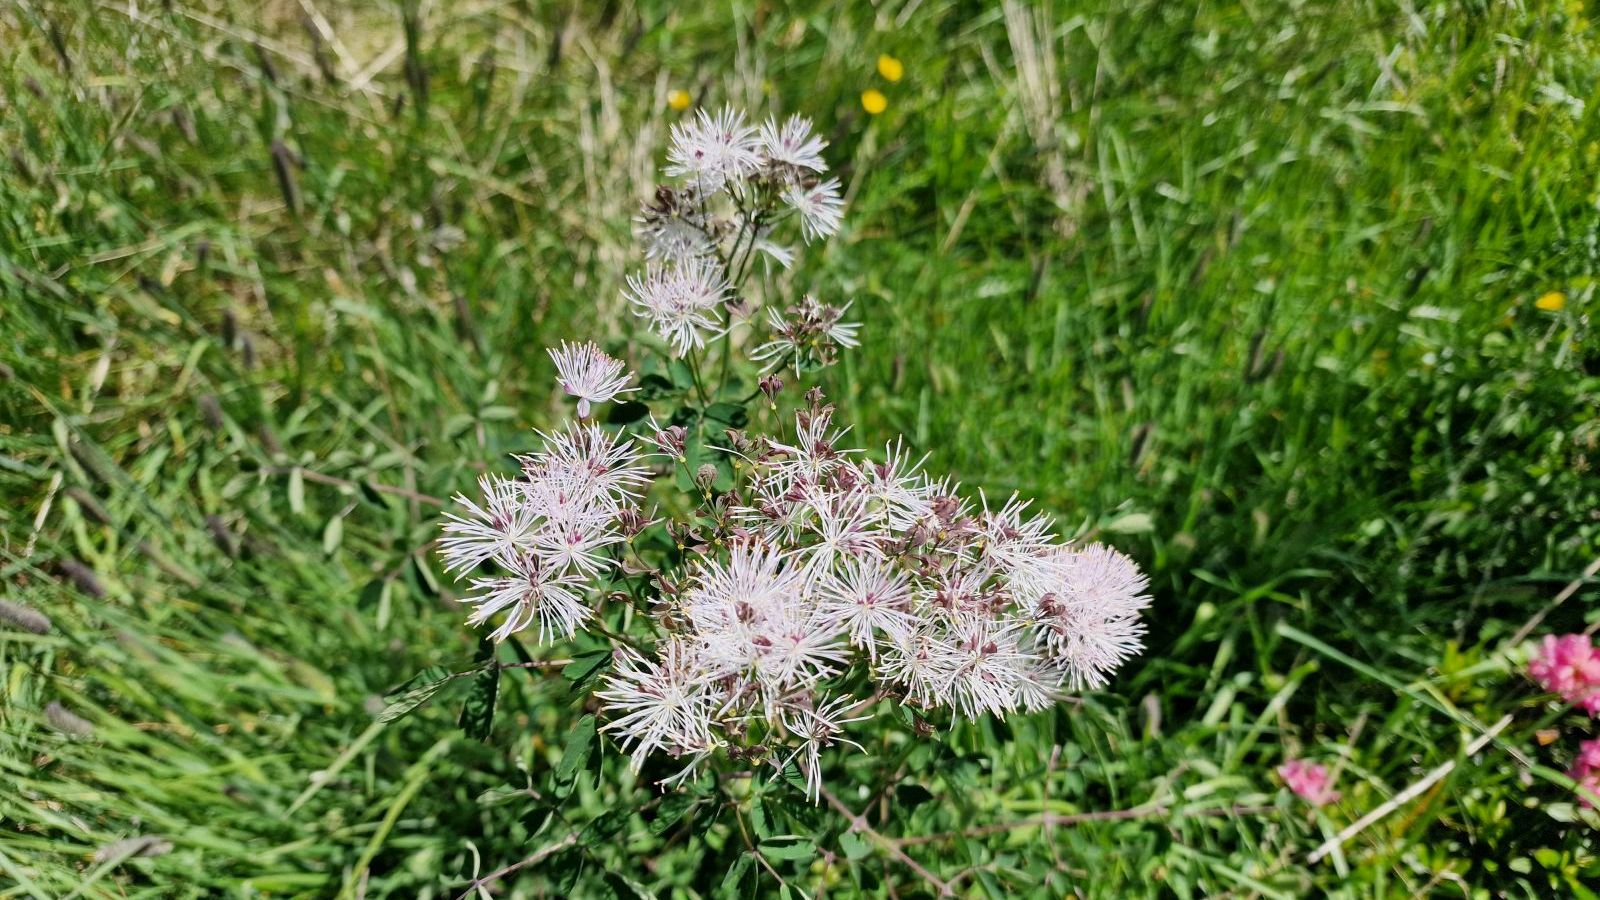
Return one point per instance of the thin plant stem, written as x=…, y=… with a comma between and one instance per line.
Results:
x=318, y=477
x=888, y=845
x=694, y=376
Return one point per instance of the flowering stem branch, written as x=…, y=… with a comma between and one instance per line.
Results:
x=813, y=558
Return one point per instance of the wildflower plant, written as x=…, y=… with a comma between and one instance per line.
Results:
x=761, y=591
x=1568, y=666
x=1309, y=781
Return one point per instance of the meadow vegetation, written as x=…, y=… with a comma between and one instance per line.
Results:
x=1290, y=300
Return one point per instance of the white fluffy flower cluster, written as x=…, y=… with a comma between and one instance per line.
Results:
x=549, y=532
x=738, y=185
x=837, y=562
x=809, y=582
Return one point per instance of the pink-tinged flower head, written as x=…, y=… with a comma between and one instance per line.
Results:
x=1570, y=667
x=1589, y=755
x=819, y=205
x=680, y=301
x=712, y=150
x=1309, y=781
x=586, y=372
x=1586, y=772
x=791, y=146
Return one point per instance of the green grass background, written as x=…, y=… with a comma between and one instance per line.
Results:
x=1246, y=288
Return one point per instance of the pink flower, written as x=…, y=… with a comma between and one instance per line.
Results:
x=1570, y=667
x=1309, y=781
x=1586, y=771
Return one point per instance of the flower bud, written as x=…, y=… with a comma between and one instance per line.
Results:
x=671, y=440
x=630, y=521
x=704, y=475
x=739, y=442
x=771, y=385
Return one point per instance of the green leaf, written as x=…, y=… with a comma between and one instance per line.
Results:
x=623, y=886
x=297, y=491
x=568, y=866
x=1561, y=812
x=730, y=414
x=792, y=775
x=537, y=815
x=854, y=845
x=627, y=413
x=906, y=715
x=372, y=593
x=680, y=373
x=425, y=577
x=655, y=386
x=788, y=847
x=736, y=873
x=672, y=809
x=477, y=713
x=579, y=745
x=724, y=481
x=499, y=795
x=758, y=819
x=1131, y=523
x=586, y=666
x=910, y=795
x=332, y=534
x=371, y=493
x=414, y=692
x=457, y=425
x=608, y=824
x=962, y=773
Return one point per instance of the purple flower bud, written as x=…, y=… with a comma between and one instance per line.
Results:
x=771, y=385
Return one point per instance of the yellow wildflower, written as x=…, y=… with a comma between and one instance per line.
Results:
x=1555, y=301
x=678, y=99
x=873, y=101
x=890, y=68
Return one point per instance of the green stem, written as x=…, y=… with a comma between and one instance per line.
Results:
x=752, y=225
x=694, y=376
x=727, y=354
